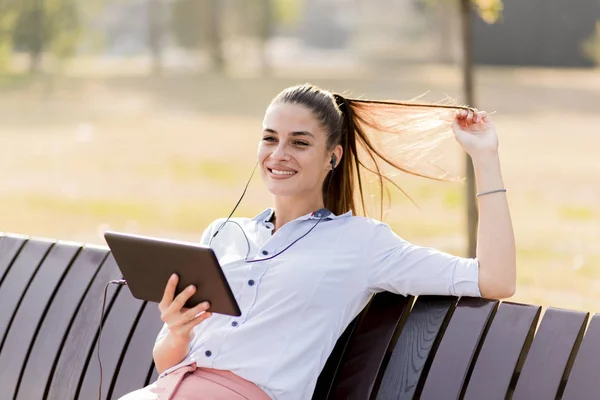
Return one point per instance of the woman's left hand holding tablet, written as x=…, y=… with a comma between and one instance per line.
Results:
x=179, y=319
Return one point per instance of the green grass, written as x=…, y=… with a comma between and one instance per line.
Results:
x=187, y=215
x=181, y=169
x=80, y=207
x=453, y=198
x=577, y=213
x=14, y=80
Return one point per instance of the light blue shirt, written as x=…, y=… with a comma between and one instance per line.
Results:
x=296, y=305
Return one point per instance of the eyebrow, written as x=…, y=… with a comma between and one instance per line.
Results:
x=296, y=133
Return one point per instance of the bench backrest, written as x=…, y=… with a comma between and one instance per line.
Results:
x=398, y=348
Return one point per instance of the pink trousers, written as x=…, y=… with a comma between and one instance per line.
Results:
x=192, y=383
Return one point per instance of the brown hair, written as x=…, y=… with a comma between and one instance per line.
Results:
x=366, y=130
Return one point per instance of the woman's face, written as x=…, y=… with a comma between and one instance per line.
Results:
x=293, y=151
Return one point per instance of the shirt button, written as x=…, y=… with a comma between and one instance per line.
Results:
x=234, y=324
x=208, y=353
x=251, y=282
x=264, y=252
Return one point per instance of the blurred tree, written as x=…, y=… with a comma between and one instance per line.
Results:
x=156, y=31
x=66, y=28
x=8, y=19
x=188, y=19
x=265, y=30
x=447, y=21
x=260, y=16
x=28, y=33
x=591, y=46
x=215, y=38
x=287, y=13
x=46, y=25
x=489, y=10
x=196, y=24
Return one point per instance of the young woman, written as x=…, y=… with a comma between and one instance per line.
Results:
x=303, y=270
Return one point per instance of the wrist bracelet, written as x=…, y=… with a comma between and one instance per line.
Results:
x=490, y=192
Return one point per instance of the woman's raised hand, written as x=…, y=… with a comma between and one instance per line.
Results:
x=179, y=319
x=475, y=133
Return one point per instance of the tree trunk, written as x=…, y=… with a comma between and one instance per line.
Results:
x=36, y=42
x=265, y=26
x=214, y=35
x=155, y=14
x=467, y=67
x=35, y=61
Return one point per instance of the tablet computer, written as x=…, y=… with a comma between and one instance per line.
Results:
x=147, y=263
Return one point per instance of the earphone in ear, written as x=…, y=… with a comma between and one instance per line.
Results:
x=333, y=162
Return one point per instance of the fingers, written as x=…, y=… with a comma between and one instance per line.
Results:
x=468, y=117
x=463, y=118
x=197, y=320
x=193, y=312
x=184, y=325
x=169, y=292
x=182, y=298
x=465, y=114
x=479, y=117
x=179, y=317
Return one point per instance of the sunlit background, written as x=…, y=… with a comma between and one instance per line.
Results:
x=144, y=115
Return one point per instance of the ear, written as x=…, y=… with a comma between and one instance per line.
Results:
x=337, y=154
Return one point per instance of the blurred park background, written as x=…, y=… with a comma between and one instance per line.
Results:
x=144, y=115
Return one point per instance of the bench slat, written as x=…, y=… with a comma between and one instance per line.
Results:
x=55, y=326
x=332, y=366
x=120, y=322
x=30, y=315
x=559, y=332
x=503, y=351
x=417, y=341
x=368, y=346
x=458, y=348
x=583, y=382
x=9, y=247
x=17, y=279
x=82, y=335
x=153, y=376
x=138, y=359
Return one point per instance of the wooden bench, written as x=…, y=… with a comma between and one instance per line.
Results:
x=428, y=347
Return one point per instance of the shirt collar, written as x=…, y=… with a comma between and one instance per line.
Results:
x=324, y=213
x=264, y=216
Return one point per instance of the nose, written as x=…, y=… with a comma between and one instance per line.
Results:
x=280, y=153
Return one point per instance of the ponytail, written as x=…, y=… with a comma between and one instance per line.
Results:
x=377, y=138
x=371, y=136
x=342, y=197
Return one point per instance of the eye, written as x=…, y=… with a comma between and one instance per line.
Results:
x=268, y=139
x=301, y=143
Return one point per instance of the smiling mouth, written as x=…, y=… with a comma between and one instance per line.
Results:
x=281, y=173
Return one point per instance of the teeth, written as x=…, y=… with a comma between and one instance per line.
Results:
x=276, y=172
